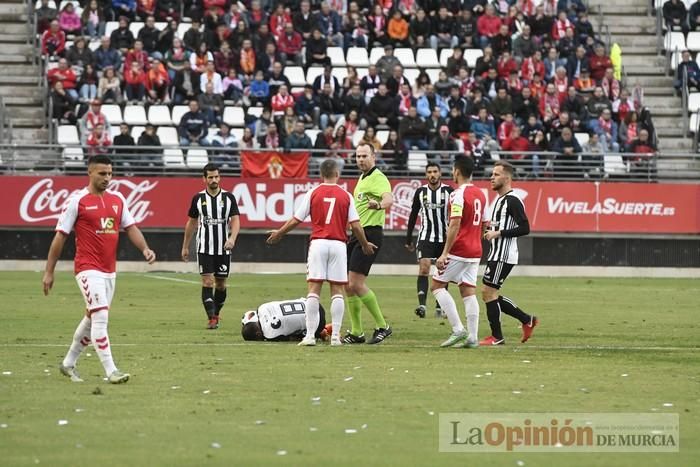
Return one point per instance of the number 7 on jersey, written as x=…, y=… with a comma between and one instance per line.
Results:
x=331, y=202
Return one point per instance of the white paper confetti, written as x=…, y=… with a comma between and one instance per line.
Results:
x=477, y=376
x=313, y=428
x=79, y=446
x=62, y=422
x=364, y=426
x=316, y=398
x=349, y=378
x=350, y=431
x=46, y=371
x=3, y=425
x=391, y=369
x=7, y=373
x=357, y=368
x=519, y=463
x=174, y=387
x=79, y=410
x=206, y=392
x=340, y=401
x=405, y=371
x=668, y=404
x=431, y=412
x=517, y=392
x=451, y=382
x=527, y=361
x=654, y=409
x=488, y=373
x=215, y=445
x=281, y=452
x=624, y=375
x=88, y=354
x=259, y=422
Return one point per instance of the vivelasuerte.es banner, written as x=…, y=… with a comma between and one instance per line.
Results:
x=162, y=202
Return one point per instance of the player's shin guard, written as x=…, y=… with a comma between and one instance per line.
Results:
x=81, y=339
x=208, y=301
x=355, y=311
x=312, y=314
x=511, y=309
x=449, y=306
x=493, y=312
x=422, y=284
x=219, y=299
x=471, y=310
x=337, y=310
x=100, y=340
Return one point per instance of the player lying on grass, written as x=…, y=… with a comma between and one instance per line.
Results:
x=280, y=321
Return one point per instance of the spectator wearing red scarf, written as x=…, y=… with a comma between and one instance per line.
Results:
x=53, y=40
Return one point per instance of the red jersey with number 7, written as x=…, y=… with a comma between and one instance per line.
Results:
x=331, y=209
x=468, y=204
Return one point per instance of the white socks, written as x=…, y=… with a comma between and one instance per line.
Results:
x=471, y=310
x=449, y=306
x=100, y=340
x=337, y=310
x=312, y=315
x=81, y=339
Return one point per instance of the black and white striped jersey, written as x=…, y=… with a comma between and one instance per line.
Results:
x=432, y=207
x=508, y=216
x=214, y=213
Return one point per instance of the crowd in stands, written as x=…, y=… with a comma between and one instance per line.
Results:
x=541, y=81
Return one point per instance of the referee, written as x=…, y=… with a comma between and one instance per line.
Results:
x=508, y=222
x=430, y=201
x=372, y=197
x=214, y=213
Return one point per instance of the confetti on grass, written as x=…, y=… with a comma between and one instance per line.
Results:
x=350, y=431
x=215, y=445
x=62, y=422
x=668, y=404
x=349, y=378
x=281, y=452
x=7, y=373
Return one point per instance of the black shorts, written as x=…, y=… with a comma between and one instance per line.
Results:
x=429, y=250
x=496, y=273
x=357, y=260
x=218, y=265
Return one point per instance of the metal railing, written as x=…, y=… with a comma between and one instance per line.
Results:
x=52, y=159
x=684, y=99
x=659, y=31
x=5, y=124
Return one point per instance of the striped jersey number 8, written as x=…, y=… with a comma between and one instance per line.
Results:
x=477, y=212
x=331, y=202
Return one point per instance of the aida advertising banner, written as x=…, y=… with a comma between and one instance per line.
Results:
x=162, y=202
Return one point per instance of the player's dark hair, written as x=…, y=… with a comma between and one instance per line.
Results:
x=100, y=159
x=329, y=168
x=507, y=167
x=209, y=168
x=252, y=331
x=432, y=164
x=465, y=165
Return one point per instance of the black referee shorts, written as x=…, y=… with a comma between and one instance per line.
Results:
x=429, y=250
x=218, y=265
x=496, y=273
x=359, y=262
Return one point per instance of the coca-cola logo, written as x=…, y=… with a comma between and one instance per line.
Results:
x=42, y=202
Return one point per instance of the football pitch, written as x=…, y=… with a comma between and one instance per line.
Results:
x=201, y=397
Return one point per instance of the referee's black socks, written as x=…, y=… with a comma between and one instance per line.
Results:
x=208, y=301
x=422, y=287
x=219, y=299
x=510, y=308
x=493, y=312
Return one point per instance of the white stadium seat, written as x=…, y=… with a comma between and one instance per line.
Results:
x=417, y=161
x=113, y=113
x=173, y=158
x=255, y=111
x=693, y=124
x=114, y=130
x=433, y=74
x=405, y=56
x=694, y=102
x=357, y=137
x=613, y=164
x=427, y=58
x=357, y=56
x=135, y=27
x=234, y=116
x=237, y=133
x=135, y=115
x=73, y=155
x=383, y=136
x=296, y=76
x=94, y=45
x=110, y=27
x=312, y=73
x=676, y=58
x=444, y=55
x=178, y=112
x=336, y=55
x=375, y=54
x=411, y=74
x=582, y=138
x=470, y=55
x=340, y=74
x=312, y=133
x=197, y=158
x=136, y=133
x=67, y=134
x=674, y=40
x=168, y=136
x=159, y=115
x=694, y=41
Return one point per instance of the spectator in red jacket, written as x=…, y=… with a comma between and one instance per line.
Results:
x=66, y=76
x=488, y=25
x=138, y=55
x=135, y=79
x=506, y=65
x=515, y=142
x=53, y=41
x=290, y=44
x=99, y=141
x=279, y=21
x=560, y=26
x=598, y=63
x=531, y=66
x=281, y=101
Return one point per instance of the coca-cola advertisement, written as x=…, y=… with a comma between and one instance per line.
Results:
x=162, y=202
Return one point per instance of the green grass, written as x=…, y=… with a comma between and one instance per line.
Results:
x=260, y=399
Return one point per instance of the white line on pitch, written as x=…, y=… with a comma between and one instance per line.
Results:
x=398, y=345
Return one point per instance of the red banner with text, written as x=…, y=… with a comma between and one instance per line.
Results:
x=29, y=201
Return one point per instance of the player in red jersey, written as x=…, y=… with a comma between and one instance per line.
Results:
x=460, y=258
x=96, y=214
x=331, y=209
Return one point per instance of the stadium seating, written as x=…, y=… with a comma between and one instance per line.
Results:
x=67, y=134
x=168, y=136
x=135, y=115
x=375, y=54
x=674, y=40
x=471, y=55
x=444, y=55
x=136, y=132
x=427, y=58
x=197, y=158
x=582, y=138
x=357, y=137
x=336, y=56
x=172, y=158
x=694, y=102
x=693, y=41
x=405, y=56
x=159, y=115
x=383, y=136
x=135, y=27
x=113, y=113
x=178, y=112
x=296, y=76
x=693, y=124
x=417, y=161
x=255, y=111
x=614, y=165
x=312, y=73
x=357, y=56
x=234, y=116
x=340, y=74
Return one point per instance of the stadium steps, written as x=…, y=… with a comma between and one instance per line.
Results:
x=19, y=76
x=634, y=30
